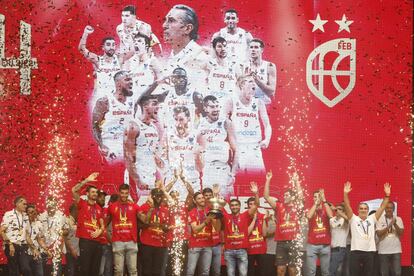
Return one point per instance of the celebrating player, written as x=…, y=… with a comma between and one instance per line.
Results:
x=110, y=116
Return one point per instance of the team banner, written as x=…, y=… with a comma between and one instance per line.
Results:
x=317, y=92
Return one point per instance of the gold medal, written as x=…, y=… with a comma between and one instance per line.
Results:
x=20, y=231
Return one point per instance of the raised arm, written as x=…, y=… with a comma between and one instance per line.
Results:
x=266, y=193
x=75, y=190
x=387, y=191
x=325, y=203
x=98, y=115
x=92, y=57
x=347, y=204
x=255, y=190
x=312, y=210
x=233, y=145
x=252, y=224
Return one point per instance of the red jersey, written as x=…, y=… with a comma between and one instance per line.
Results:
x=319, y=229
x=154, y=235
x=287, y=225
x=257, y=243
x=124, y=221
x=179, y=223
x=88, y=220
x=236, y=230
x=204, y=237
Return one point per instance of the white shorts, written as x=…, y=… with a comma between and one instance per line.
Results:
x=250, y=158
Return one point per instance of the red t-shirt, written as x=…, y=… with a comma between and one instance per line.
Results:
x=124, y=221
x=287, y=225
x=257, y=243
x=319, y=229
x=204, y=237
x=179, y=223
x=236, y=230
x=88, y=220
x=155, y=236
x=103, y=238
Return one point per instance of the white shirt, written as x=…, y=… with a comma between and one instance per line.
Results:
x=53, y=228
x=34, y=230
x=391, y=243
x=339, y=231
x=363, y=233
x=15, y=223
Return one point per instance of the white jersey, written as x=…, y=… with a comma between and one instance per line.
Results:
x=237, y=44
x=105, y=72
x=113, y=126
x=142, y=75
x=222, y=82
x=182, y=150
x=217, y=147
x=246, y=122
x=146, y=149
x=263, y=74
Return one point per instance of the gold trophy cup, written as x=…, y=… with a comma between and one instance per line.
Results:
x=216, y=205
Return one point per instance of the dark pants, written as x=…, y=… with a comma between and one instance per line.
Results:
x=153, y=260
x=269, y=264
x=54, y=269
x=390, y=264
x=336, y=262
x=19, y=263
x=36, y=266
x=257, y=265
x=361, y=263
x=72, y=267
x=89, y=257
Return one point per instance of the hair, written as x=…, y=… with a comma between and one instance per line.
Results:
x=72, y=207
x=119, y=75
x=235, y=200
x=392, y=203
x=179, y=69
x=145, y=37
x=101, y=192
x=123, y=187
x=114, y=197
x=231, y=11
x=242, y=79
x=30, y=205
x=156, y=191
x=196, y=194
x=107, y=38
x=90, y=187
x=250, y=199
x=146, y=99
x=209, y=98
x=190, y=17
x=17, y=199
x=207, y=190
x=130, y=8
x=315, y=192
x=218, y=39
x=181, y=109
x=257, y=40
x=363, y=203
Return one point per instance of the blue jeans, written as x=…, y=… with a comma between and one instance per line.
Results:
x=125, y=253
x=313, y=251
x=107, y=261
x=337, y=259
x=236, y=257
x=390, y=264
x=194, y=255
x=216, y=260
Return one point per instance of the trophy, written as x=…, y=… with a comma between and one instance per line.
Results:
x=216, y=205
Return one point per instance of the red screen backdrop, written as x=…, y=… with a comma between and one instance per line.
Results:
x=342, y=108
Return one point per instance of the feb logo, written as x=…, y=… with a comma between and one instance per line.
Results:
x=331, y=61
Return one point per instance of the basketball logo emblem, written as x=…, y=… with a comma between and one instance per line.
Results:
x=317, y=69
